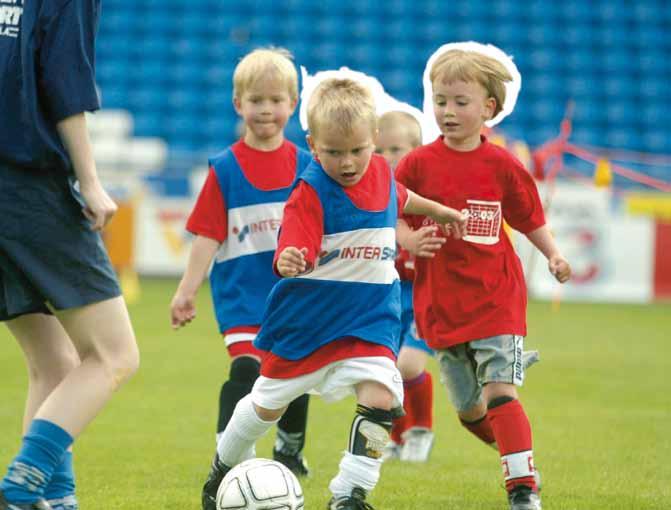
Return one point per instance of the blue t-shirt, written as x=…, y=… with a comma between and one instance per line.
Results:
x=47, y=73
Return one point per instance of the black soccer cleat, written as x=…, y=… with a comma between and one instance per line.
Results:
x=523, y=498
x=296, y=463
x=38, y=505
x=355, y=501
x=211, y=486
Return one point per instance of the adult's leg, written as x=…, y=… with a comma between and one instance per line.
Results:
x=50, y=356
x=104, y=340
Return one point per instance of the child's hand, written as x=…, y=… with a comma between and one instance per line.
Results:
x=452, y=221
x=424, y=242
x=559, y=268
x=182, y=310
x=292, y=261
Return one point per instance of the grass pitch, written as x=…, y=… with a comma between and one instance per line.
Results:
x=599, y=403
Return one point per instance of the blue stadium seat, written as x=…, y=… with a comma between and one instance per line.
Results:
x=147, y=123
x=434, y=31
x=177, y=56
x=656, y=139
x=586, y=135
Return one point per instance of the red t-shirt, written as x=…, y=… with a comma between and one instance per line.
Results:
x=470, y=290
x=265, y=170
x=303, y=226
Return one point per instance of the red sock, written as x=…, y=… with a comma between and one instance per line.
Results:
x=400, y=425
x=419, y=398
x=513, y=436
x=481, y=429
x=418, y=406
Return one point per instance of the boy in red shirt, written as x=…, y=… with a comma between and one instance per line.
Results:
x=470, y=298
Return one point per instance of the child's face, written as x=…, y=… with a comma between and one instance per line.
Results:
x=265, y=108
x=344, y=158
x=461, y=108
x=393, y=143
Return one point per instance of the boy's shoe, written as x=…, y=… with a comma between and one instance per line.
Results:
x=296, y=463
x=66, y=503
x=39, y=505
x=523, y=498
x=211, y=486
x=355, y=501
x=391, y=451
x=417, y=444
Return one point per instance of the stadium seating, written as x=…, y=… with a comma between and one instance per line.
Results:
x=170, y=62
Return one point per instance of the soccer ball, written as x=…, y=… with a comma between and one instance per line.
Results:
x=260, y=484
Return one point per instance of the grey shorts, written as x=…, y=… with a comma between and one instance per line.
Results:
x=466, y=368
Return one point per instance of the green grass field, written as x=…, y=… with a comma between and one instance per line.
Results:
x=599, y=403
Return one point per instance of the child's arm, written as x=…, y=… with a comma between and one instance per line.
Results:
x=557, y=264
x=421, y=242
x=300, y=236
x=183, y=305
x=75, y=137
x=441, y=214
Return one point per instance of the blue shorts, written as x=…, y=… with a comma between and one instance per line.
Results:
x=408, y=328
x=48, y=253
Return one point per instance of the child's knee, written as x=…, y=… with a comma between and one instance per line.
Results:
x=268, y=414
x=374, y=394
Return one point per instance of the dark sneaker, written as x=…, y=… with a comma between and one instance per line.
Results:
x=523, y=498
x=296, y=463
x=214, y=478
x=39, y=505
x=356, y=501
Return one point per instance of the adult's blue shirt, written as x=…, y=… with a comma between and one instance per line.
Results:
x=47, y=73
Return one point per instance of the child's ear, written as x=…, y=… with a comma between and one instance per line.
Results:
x=237, y=105
x=311, y=144
x=490, y=107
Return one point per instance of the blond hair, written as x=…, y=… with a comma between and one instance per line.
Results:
x=403, y=120
x=340, y=103
x=266, y=63
x=476, y=67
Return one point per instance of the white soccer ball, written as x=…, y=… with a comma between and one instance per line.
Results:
x=260, y=484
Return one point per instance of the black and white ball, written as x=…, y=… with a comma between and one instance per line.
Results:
x=260, y=484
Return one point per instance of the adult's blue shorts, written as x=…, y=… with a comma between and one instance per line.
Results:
x=49, y=257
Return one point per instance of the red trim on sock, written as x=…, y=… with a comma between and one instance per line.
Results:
x=481, y=429
x=512, y=431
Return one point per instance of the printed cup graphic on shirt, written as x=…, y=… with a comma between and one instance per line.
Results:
x=484, y=221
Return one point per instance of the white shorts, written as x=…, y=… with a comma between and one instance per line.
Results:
x=333, y=382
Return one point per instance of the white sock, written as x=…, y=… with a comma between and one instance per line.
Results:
x=236, y=443
x=355, y=471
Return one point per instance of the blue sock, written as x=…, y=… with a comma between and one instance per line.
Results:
x=62, y=482
x=30, y=471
